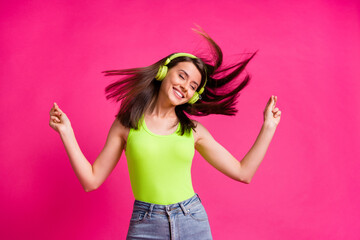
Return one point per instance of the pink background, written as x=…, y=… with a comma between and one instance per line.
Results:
x=307, y=186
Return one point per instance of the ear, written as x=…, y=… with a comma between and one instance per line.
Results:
x=161, y=73
x=194, y=98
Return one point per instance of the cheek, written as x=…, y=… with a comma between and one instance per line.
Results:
x=166, y=87
x=164, y=84
x=191, y=95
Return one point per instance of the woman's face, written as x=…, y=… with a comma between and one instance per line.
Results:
x=181, y=82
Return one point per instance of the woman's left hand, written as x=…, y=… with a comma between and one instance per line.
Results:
x=272, y=114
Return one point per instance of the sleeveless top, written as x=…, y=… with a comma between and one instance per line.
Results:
x=160, y=165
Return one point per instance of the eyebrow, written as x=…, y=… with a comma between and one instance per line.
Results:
x=187, y=75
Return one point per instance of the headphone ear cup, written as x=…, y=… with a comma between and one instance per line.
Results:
x=194, y=98
x=161, y=73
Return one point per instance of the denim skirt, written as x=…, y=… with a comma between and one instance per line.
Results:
x=183, y=220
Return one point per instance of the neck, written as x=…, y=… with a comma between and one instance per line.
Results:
x=161, y=108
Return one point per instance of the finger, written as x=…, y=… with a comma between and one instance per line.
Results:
x=272, y=102
x=275, y=110
x=53, y=109
x=55, y=119
x=269, y=102
x=57, y=107
x=54, y=112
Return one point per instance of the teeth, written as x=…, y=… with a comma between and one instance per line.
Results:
x=179, y=94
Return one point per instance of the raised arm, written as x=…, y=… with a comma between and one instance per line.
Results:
x=217, y=155
x=90, y=176
x=223, y=161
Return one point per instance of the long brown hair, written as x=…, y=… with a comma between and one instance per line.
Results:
x=139, y=88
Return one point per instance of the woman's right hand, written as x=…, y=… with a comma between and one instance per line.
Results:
x=58, y=119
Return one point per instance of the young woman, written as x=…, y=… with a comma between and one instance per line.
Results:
x=159, y=139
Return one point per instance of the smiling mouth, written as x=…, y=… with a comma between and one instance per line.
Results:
x=178, y=93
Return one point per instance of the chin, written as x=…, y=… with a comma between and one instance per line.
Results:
x=176, y=101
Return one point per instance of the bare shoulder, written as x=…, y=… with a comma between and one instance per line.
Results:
x=119, y=129
x=200, y=131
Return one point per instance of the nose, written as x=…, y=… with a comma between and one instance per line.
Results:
x=184, y=86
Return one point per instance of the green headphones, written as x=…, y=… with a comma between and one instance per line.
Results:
x=164, y=69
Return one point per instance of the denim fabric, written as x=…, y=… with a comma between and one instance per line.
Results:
x=184, y=220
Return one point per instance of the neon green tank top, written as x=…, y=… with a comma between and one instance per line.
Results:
x=160, y=165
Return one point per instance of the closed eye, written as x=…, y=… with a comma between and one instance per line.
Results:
x=182, y=76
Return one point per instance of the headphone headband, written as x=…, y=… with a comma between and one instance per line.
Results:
x=176, y=55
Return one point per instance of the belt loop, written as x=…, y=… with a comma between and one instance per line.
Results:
x=184, y=209
x=198, y=197
x=151, y=209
